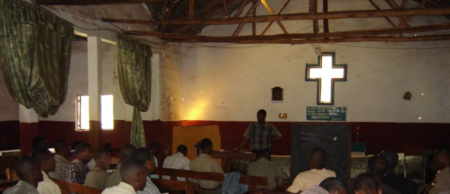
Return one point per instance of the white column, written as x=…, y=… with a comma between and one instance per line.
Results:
x=94, y=82
x=27, y=115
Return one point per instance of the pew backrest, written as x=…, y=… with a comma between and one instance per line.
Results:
x=251, y=181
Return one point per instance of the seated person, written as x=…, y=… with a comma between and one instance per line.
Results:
x=30, y=175
x=316, y=160
x=366, y=183
x=144, y=155
x=178, y=160
x=133, y=174
x=125, y=154
x=265, y=168
x=45, y=159
x=77, y=170
x=398, y=183
x=97, y=177
x=62, y=152
x=442, y=182
x=205, y=163
x=378, y=166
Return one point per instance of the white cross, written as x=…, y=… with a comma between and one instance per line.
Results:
x=326, y=73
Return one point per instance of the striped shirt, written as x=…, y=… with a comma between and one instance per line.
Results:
x=260, y=135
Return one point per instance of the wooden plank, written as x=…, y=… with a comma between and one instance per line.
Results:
x=254, y=15
x=239, y=11
x=191, y=9
x=271, y=22
x=338, y=40
x=403, y=5
x=225, y=7
x=249, y=12
x=297, y=16
x=269, y=9
x=343, y=34
x=313, y=10
x=92, y=2
x=394, y=5
x=378, y=8
x=325, y=21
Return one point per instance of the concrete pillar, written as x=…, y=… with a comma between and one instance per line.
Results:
x=28, y=129
x=94, y=82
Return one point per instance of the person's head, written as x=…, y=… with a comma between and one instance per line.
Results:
x=377, y=165
x=182, y=149
x=125, y=152
x=29, y=170
x=62, y=148
x=392, y=159
x=261, y=154
x=39, y=142
x=261, y=116
x=134, y=173
x=206, y=146
x=441, y=157
x=45, y=159
x=317, y=158
x=334, y=186
x=84, y=151
x=155, y=148
x=102, y=158
x=366, y=183
x=146, y=156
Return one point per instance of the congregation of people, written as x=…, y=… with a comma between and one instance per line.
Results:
x=136, y=166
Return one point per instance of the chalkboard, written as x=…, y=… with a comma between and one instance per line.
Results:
x=334, y=138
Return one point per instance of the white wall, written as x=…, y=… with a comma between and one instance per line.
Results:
x=229, y=82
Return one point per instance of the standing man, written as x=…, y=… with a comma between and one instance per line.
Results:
x=260, y=134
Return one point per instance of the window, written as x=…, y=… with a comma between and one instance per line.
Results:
x=106, y=111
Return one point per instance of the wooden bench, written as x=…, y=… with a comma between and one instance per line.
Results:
x=227, y=158
x=173, y=185
x=70, y=187
x=251, y=181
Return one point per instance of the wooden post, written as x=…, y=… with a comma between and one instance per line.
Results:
x=313, y=9
x=191, y=9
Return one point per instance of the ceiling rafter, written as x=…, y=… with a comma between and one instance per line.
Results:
x=278, y=13
x=92, y=2
x=297, y=16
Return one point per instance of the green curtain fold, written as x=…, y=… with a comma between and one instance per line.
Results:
x=35, y=49
x=134, y=69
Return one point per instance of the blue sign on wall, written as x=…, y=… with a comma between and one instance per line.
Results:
x=326, y=113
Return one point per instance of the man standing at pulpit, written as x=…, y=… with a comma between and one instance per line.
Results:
x=260, y=134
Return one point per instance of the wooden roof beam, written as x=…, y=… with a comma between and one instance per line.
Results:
x=338, y=40
x=92, y=2
x=298, y=16
x=356, y=33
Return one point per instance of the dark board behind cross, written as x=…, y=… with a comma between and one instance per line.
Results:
x=334, y=138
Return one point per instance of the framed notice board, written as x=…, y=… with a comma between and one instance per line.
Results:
x=334, y=138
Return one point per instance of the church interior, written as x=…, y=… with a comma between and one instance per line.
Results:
x=201, y=61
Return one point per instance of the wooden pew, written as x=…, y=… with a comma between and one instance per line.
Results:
x=227, y=156
x=8, y=172
x=252, y=182
x=70, y=187
x=187, y=187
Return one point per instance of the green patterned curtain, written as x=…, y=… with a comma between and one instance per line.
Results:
x=35, y=48
x=135, y=80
